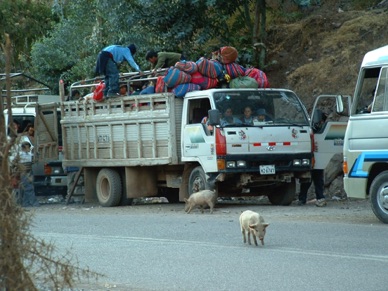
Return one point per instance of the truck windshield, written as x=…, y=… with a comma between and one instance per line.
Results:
x=259, y=108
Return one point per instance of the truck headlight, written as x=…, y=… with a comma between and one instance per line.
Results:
x=296, y=162
x=241, y=164
x=231, y=164
x=302, y=162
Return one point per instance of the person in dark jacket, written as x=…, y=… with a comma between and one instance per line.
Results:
x=163, y=60
x=107, y=64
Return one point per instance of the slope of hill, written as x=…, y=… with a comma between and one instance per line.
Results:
x=322, y=53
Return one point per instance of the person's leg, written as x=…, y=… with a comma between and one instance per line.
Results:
x=304, y=187
x=112, y=73
x=319, y=184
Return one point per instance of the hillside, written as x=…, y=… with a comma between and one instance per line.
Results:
x=322, y=53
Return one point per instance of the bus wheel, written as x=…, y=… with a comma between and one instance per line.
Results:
x=109, y=189
x=379, y=196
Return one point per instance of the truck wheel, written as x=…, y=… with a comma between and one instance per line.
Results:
x=379, y=196
x=109, y=189
x=284, y=194
x=197, y=180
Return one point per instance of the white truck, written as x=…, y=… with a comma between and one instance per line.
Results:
x=150, y=145
x=38, y=107
x=366, y=140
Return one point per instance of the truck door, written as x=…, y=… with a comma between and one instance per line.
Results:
x=329, y=120
x=46, y=132
x=197, y=139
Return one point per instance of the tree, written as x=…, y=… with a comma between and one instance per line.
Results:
x=24, y=22
x=22, y=256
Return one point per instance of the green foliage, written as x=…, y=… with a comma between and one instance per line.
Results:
x=24, y=21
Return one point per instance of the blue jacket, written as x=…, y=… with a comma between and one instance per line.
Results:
x=120, y=54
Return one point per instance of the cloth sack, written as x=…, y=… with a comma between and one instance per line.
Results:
x=189, y=67
x=98, y=93
x=259, y=76
x=228, y=54
x=182, y=89
x=243, y=82
x=176, y=77
x=234, y=70
x=209, y=68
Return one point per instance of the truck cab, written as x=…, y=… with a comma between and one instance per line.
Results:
x=240, y=152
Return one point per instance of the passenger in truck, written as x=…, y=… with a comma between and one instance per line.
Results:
x=247, y=118
x=229, y=119
x=262, y=115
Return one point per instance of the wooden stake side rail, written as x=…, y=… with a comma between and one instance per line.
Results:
x=129, y=131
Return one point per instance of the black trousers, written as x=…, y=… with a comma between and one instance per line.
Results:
x=317, y=177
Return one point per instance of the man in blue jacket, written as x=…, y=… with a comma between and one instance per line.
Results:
x=107, y=64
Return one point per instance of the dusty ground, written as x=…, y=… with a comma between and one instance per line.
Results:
x=323, y=52
x=347, y=210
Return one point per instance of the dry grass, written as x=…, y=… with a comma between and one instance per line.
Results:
x=323, y=53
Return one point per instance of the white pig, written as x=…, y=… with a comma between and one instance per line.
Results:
x=201, y=199
x=252, y=222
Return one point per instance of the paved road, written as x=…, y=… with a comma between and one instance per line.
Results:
x=159, y=247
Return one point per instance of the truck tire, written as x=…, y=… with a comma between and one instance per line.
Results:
x=379, y=196
x=197, y=180
x=284, y=194
x=109, y=189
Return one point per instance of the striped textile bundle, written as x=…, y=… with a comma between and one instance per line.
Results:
x=189, y=67
x=259, y=76
x=182, y=89
x=197, y=78
x=176, y=77
x=208, y=83
x=160, y=86
x=209, y=68
x=234, y=70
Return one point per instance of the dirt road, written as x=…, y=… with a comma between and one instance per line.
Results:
x=350, y=211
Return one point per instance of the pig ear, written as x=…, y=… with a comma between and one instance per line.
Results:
x=265, y=225
x=252, y=226
x=185, y=199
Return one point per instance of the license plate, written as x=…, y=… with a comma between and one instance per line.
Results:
x=267, y=169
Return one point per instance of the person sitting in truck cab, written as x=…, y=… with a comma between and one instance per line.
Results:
x=229, y=119
x=247, y=118
x=261, y=116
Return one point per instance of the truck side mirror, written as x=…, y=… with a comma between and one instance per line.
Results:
x=214, y=117
x=339, y=104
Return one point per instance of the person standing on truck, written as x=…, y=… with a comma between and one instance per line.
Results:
x=163, y=60
x=108, y=62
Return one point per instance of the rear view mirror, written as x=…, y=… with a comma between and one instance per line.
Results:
x=339, y=104
x=214, y=117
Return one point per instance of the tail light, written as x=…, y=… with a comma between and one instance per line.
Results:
x=47, y=169
x=220, y=148
x=220, y=142
x=60, y=148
